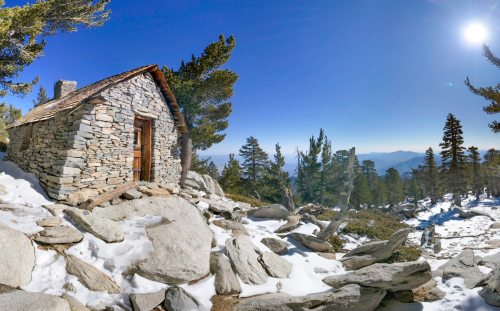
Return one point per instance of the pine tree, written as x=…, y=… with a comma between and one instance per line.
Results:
x=311, y=168
x=453, y=157
x=254, y=166
x=368, y=169
x=41, y=98
x=326, y=173
x=276, y=180
x=379, y=196
x=360, y=194
x=198, y=165
x=475, y=170
x=213, y=171
x=414, y=190
x=394, y=186
x=230, y=179
x=491, y=172
x=492, y=94
x=430, y=175
x=23, y=31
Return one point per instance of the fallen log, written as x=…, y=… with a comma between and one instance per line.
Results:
x=107, y=196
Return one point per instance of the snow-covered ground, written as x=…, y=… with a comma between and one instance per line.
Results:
x=22, y=207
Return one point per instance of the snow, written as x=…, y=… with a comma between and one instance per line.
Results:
x=21, y=207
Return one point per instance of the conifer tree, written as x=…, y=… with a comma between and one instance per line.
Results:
x=475, y=170
x=379, y=196
x=414, y=190
x=198, y=165
x=394, y=186
x=311, y=169
x=254, y=165
x=213, y=171
x=360, y=194
x=230, y=179
x=276, y=180
x=430, y=175
x=368, y=169
x=491, y=171
x=41, y=98
x=326, y=173
x=454, y=159
x=492, y=94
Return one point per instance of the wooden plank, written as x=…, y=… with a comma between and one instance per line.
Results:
x=146, y=151
x=107, y=196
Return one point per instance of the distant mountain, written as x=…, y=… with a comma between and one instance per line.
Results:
x=385, y=160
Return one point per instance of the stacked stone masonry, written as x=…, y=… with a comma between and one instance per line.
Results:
x=91, y=145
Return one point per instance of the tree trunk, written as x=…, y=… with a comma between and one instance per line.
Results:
x=186, y=156
x=343, y=201
x=458, y=199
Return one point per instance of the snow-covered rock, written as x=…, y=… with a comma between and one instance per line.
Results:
x=311, y=242
x=17, y=257
x=277, y=246
x=59, y=235
x=226, y=282
x=230, y=225
x=244, y=258
x=89, y=276
x=276, y=266
x=103, y=228
x=49, y=222
x=271, y=211
x=465, y=266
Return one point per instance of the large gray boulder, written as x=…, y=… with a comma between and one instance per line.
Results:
x=58, y=235
x=277, y=246
x=146, y=302
x=492, y=260
x=347, y=298
x=276, y=266
x=218, y=206
x=218, y=189
x=17, y=257
x=226, y=282
x=471, y=213
x=18, y=300
x=428, y=236
x=196, y=181
x=244, y=258
x=271, y=211
x=209, y=182
x=391, y=277
x=464, y=265
x=90, y=277
x=74, y=304
x=311, y=242
x=370, y=253
x=491, y=290
x=177, y=299
x=103, y=228
x=230, y=225
x=49, y=222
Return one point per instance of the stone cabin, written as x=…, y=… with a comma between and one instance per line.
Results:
x=121, y=129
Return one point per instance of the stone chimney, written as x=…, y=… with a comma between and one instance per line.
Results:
x=63, y=88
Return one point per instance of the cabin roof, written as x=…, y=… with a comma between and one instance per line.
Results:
x=50, y=108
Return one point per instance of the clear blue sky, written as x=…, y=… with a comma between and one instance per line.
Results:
x=378, y=75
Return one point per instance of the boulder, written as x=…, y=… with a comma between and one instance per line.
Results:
x=312, y=219
x=244, y=258
x=230, y=225
x=311, y=242
x=271, y=211
x=209, y=182
x=177, y=299
x=103, y=228
x=14, y=300
x=90, y=277
x=434, y=294
x=491, y=260
x=226, y=282
x=464, y=265
x=292, y=223
x=218, y=190
x=491, y=290
x=495, y=225
x=146, y=302
x=132, y=194
x=347, y=298
x=55, y=209
x=437, y=246
x=17, y=257
x=428, y=236
x=275, y=266
x=74, y=304
x=195, y=181
x=173, y=189
x=156, y=192
x=49, y=222
x=275, y=245
x=391, y=277
x=59, y=235
x=471, y=213
x=367, y=254
x=218, y=206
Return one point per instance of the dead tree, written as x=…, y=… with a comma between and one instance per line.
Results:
x=343, y=201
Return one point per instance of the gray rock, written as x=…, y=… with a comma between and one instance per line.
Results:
x=242, y=206
x=244, y=258
x=59, y=235
x=491, y=260
x=217, y=189
x=434, y=294
x=209, y=182
x=391, y=277
x=276, y=266
x=437, y=246
x=292, y=223
x=218, y=206
x=471, y=213
x=464, y=265
x=428, y=236
x=311, y=242
x=103, y=228
x=376, y=251
x=495, y=225
x=49, y=222
x=490, y=297
x=132, y=194
x=55, y=209
x=181, y=252
x=196, y=181
x=146, y=302
x=177, y=299
x=312, y=219
x=173, y=189
x=74, y=304
x=230, y=225
x=271, y=211
x=18, y=300
x=17, y=257
x=347, y=298
x=226, y=282
x=90, y=277
x=277, y=246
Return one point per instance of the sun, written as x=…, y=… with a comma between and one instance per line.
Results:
x=475, y=33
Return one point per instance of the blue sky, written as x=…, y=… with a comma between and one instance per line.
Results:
x=378, y=75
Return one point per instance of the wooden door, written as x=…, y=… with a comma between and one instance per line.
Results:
x=142, y=149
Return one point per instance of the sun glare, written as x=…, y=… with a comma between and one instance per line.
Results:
x=475, y=33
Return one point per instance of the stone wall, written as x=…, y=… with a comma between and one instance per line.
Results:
x=91, y=150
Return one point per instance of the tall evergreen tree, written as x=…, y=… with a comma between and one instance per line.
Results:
x=326, y=173
x=454, y=159
x=491, y=172
x=414, y=190
x=213, y=171
x=394, y=186
x=430, y=175
x=379, y=196
x=311, y=169
x=276, y=180
x=199, y=165
x=360, y=194
x=368, y=169
x=41, y=98
x=230, y=179
x=475, y=170
x=492, y=94
x=254, y=165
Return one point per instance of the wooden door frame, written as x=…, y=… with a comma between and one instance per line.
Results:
x=147, y=147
